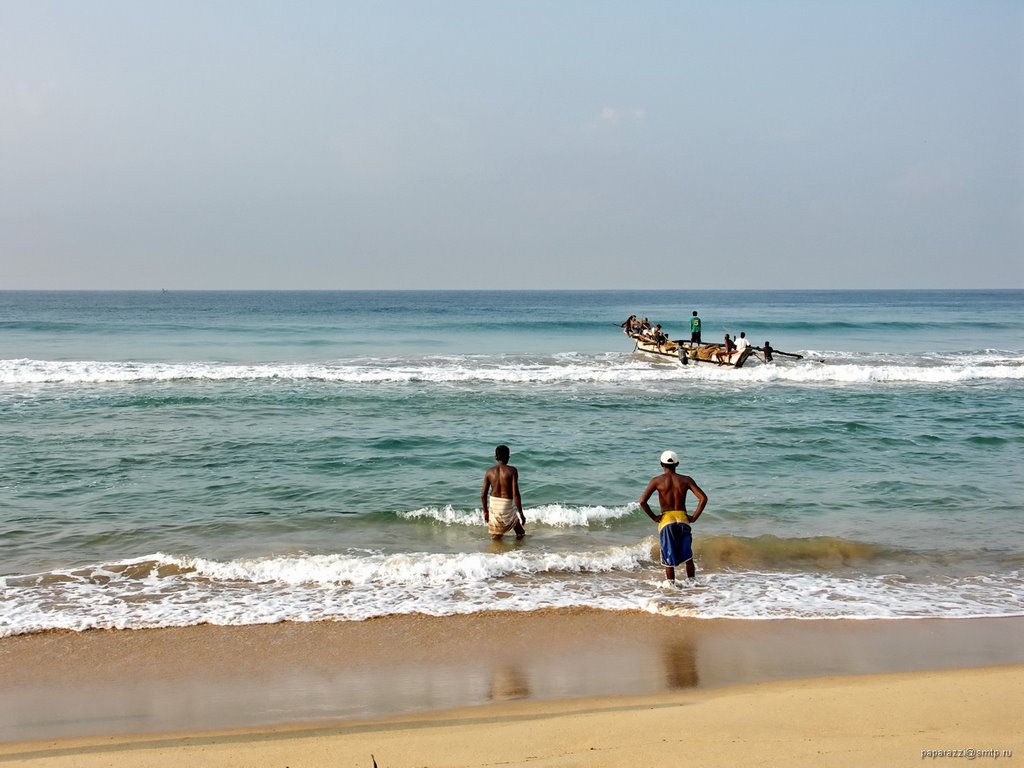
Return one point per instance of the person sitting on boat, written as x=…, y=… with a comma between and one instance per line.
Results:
x=741, y=343
x=725, y=352
x=630, y=325
x=659, y=336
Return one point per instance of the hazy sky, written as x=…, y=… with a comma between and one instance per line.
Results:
x=511, y=144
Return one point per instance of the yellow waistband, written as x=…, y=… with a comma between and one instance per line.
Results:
x=667, y=518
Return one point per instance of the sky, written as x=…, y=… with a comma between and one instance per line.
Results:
x=511, y=144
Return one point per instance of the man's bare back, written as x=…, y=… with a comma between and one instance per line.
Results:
x=502, y=480
x=672, y=489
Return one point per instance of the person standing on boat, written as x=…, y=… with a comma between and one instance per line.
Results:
x=695, y=328
x=500, y=499
x=674, y=533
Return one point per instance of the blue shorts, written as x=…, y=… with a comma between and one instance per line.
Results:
x=676, y=539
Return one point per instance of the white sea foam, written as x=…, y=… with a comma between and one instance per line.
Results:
x=598, y=369
x=163, y=590
x=364, y=568
x=766, y=595
x=554, y=515
x=446, y=514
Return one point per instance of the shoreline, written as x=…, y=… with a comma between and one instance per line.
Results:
x=877, y=719
x=199, y=679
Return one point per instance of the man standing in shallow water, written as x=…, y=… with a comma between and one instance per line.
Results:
x=673, y=522
x=503, y=507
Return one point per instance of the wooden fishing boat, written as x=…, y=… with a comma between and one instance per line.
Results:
x=685, y=351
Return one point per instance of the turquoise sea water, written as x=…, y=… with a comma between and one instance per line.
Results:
x=245, y=457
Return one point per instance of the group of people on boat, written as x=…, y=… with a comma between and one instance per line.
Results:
x=642, y=330
x=634, y=327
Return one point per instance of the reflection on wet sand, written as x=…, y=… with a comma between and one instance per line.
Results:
x=680, y=658
x=508, y=682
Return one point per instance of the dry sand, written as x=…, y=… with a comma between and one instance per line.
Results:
x=559, y=688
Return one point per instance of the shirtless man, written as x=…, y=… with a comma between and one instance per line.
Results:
x=503, y=508
x=726, y=351
x=673, y=522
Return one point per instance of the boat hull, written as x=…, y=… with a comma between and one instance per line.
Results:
x=712, y=354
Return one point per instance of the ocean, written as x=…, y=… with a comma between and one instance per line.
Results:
x=175, y=458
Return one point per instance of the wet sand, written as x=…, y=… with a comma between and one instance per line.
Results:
x=142, y=697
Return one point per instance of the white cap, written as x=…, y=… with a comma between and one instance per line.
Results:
x=669, y=457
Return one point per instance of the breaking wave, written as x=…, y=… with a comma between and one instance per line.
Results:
x=559, y=369
x=749, y=582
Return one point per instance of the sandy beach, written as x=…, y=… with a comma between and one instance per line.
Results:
x=548, y=688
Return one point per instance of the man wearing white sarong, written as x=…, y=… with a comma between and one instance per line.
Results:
x=503, y=507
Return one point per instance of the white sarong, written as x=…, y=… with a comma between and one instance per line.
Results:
x=502, y=516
